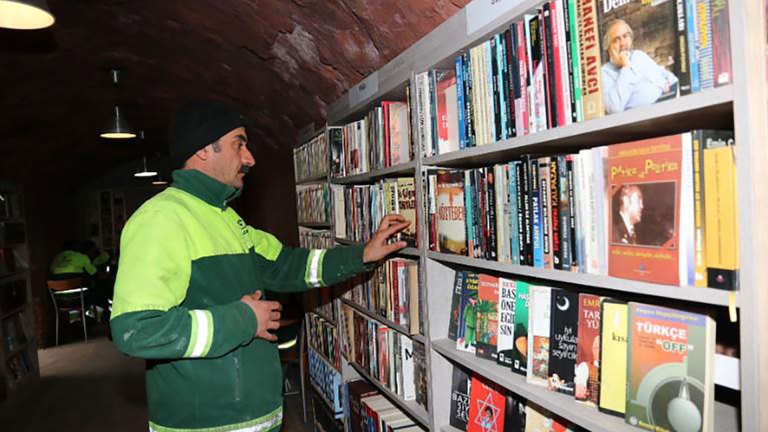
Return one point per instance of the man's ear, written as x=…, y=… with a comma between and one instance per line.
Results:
x=203, y=153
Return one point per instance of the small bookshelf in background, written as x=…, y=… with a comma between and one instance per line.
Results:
x=18, y=350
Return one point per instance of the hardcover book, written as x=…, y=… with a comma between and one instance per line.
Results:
x=671, y=373
x=563, y=340
x=505, y=343
x=460, y=389
x=587, y=383
x=467, y=331
x=642, y=43
x=538, y=335
x=613, y=357
x=451, y=230
x=520, y=353
x=646, y=183
x=487, y=404
x=487, y=316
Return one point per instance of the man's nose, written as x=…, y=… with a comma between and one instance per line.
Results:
x=247, y=158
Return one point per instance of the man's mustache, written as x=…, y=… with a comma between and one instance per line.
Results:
x=244, y=169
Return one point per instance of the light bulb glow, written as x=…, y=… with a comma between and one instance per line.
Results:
x=19, y=15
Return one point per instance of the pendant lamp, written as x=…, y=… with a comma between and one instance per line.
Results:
x=117, y=127
x=145, y=172
x=25, y=14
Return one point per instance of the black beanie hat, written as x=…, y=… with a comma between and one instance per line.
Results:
x=198, y=123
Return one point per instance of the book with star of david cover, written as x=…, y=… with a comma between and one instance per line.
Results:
x=487, y=404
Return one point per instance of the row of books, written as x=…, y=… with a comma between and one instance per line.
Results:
x=321, y=301
x=651, y=364
x=326, y=379
x=358, y=209
x=391, y=291
x=389, y=357
x=324, y=338
x=380, y=140
x=315, y=239
x=659, y=210
x=310, y=160
x=543, y=71
x=478, y=405
x=313, y=203
x=366, y=410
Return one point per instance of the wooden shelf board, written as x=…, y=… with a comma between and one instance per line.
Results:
x=565, y=406
x=314, y=224
x=406, y=168
x=709, y=296
x=416, y=411
x=707, y=109
x=315, y=179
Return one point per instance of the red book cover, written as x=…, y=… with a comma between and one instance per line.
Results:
x=443, y=84
x=487, y=404
x=558, y=62
x=587, y=381
x=643, y=181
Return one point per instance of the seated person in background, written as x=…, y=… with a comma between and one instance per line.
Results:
x=73, y=261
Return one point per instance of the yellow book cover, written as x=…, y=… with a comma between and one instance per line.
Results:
x=613, y=357
x=699, y=255
x=720, y=212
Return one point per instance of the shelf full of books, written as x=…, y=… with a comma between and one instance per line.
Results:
x=18, y=351
x=310, y=160
x=587, y=152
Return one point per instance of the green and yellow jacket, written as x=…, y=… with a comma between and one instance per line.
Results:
x=186, y=260
x=70, y=261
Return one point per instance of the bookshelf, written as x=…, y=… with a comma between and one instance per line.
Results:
x=18, y=350
x=742, y=105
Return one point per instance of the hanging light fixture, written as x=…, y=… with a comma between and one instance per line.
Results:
x=145, y=172
x=25, y=14
x=160, y=181
x=117, y=127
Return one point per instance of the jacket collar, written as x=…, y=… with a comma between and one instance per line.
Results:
x=204, y=187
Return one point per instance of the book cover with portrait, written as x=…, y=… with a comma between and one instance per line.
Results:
x=639, y=52
x=670, y=371
x=649, y=194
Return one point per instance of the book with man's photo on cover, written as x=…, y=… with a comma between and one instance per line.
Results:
x=649, y=199
x=641, y=62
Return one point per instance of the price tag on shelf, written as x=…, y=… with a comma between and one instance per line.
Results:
x=482, y=12
x=364, y=90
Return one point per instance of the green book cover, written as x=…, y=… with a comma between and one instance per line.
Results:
x=520, y=353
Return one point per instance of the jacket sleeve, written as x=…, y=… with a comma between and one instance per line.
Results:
x=285, y=269
x=152, y=281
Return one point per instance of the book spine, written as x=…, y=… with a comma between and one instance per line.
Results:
x=546, y=211
x=682, y=67
x=704, y=43
x=692, y=31
x=489, y=81
x=527, y=210
x=589, y=53
x=551, y=75
x=699, y=262
x=575, y=259
x=573, y=54
x=535, y=211
x=554, y=209
x=523, y=80
x=490, y=192
x=513, y=199
x=509, y=77
x=721, y=42
x=500, y=109
x=459, y=66
x=469, y=117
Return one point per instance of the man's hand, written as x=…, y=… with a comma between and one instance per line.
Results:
x=267, y=315
x=377, y=247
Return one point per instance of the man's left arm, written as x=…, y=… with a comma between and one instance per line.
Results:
x=287, y=269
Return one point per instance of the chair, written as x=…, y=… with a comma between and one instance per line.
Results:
x=68, y=295
x=290, y=343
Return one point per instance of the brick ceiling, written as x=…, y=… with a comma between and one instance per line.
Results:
x=282, y=62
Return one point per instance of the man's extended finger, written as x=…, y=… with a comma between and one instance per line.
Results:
x=389, y=219
x=273, y=325
x=274, y=316
x=396, y=228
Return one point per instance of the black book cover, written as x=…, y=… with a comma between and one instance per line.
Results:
x=521, y=227
x=682, y=66
x=483, y=212
x=550, y=74
x=495, y=91
x=453, y=324
x=514, y=75
x=509, y=96
x=563, y=185
x=572, y=213
x=490, y=191
x=469, y=124
x=554, y=205
x=460, y=398
x=475, y=228
x=420, y=373
x=514, y=414
x=563, y=340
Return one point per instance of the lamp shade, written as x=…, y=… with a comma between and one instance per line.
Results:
x=25, y=14
x=145, y=172
x=118, y=128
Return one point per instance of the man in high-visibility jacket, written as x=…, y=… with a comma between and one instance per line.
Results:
x=189, y=295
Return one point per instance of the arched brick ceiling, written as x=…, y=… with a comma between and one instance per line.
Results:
x=283, y=62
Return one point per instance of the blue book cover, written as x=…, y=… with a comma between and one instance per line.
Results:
x=460, y=96
x=537, y=235
x=500, y=70
x=693, y=49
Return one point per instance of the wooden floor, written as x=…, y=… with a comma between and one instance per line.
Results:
x=93, y=388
